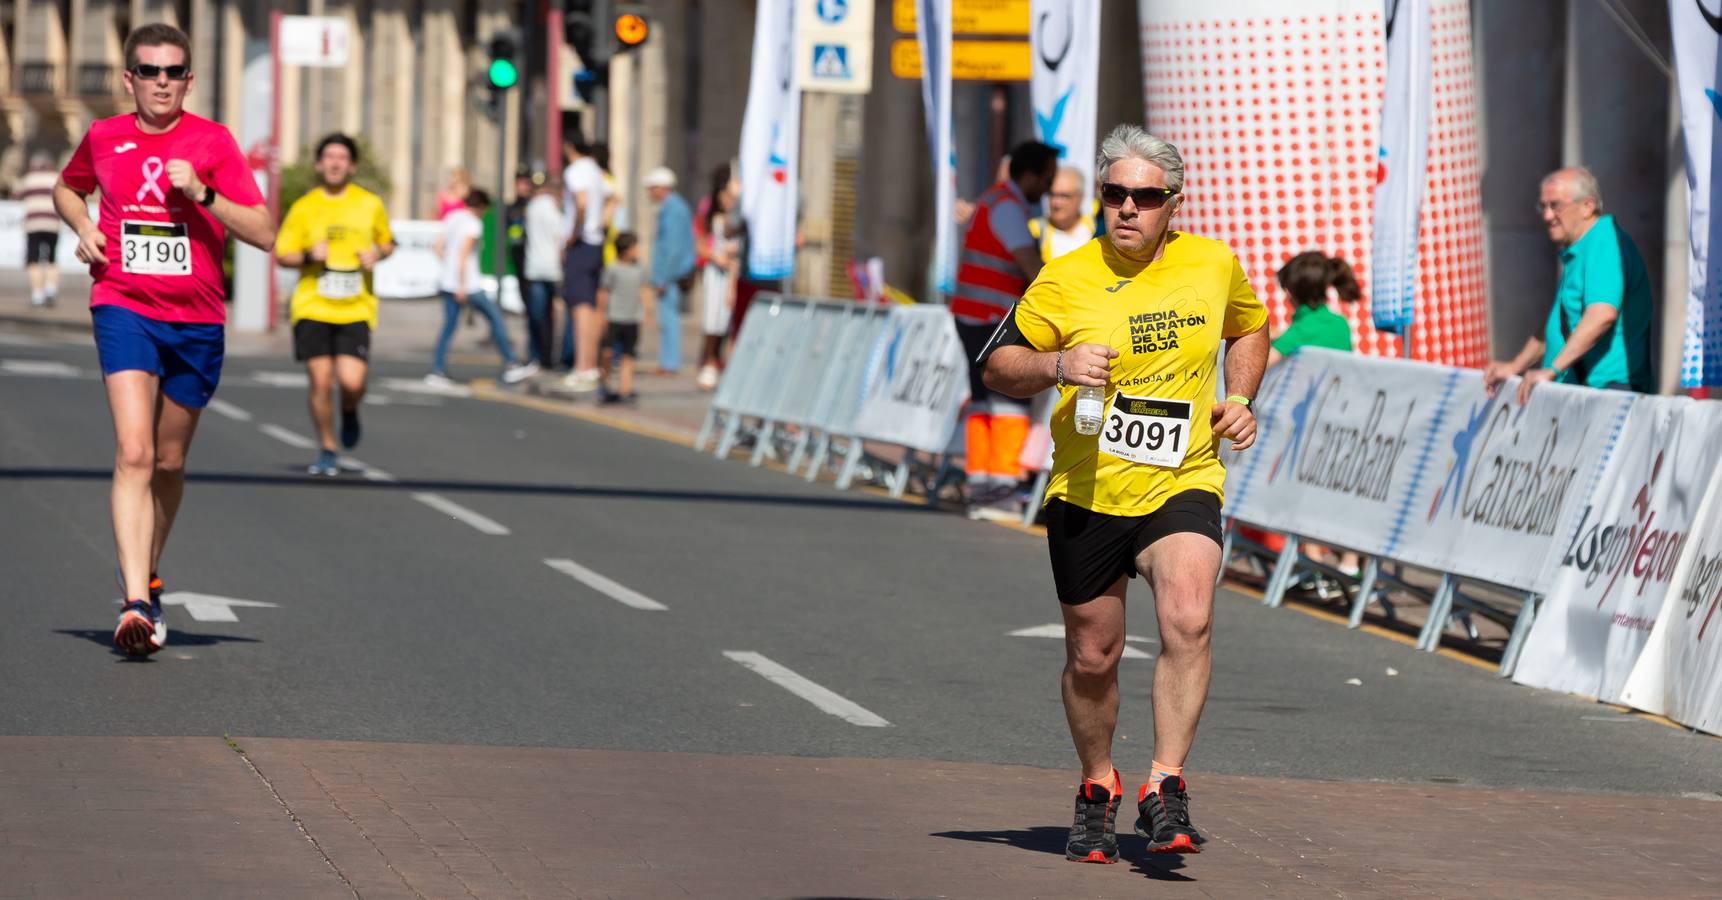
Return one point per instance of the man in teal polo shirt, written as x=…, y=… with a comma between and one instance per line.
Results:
x=1598, y=333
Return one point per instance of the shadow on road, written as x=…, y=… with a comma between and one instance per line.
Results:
x=1051, y=839
x=488, y=487
x=175, y=638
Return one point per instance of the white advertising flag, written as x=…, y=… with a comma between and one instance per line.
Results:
x=933, y=32
x=1401, y=164
x=771, y=144
x=1696, y=32
x=1064, y=40
x=1607, y=579
x=1679, y=675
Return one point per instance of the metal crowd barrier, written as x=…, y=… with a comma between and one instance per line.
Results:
x=794, y=383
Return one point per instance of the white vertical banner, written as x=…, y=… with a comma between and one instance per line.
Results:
x=1697, y=31
x=933, y=33
x=1679, y=674
x=771, y=144
x=1064, y=44
x=1401, y=165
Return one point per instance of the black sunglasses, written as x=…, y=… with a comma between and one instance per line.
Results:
x=1147, y=198
x=174, y=73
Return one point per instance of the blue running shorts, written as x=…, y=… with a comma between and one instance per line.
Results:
x=186, y=355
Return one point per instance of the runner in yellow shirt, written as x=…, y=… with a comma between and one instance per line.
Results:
x=1141, y=313
x=334, y=236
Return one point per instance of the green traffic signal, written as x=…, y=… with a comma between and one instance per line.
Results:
x=503, y=74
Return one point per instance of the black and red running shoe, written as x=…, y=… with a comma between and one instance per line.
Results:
x=1091, y=836
x=1165, y=818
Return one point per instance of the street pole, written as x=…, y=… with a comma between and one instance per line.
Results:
x=498, y=207
x=605, y=42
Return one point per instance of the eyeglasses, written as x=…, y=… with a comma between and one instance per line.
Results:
x=151, y=73
x=1146, y=198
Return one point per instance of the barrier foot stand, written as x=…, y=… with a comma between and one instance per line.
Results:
x=706, y=429
x=1038, y=499
x=821, y=452
x=900, y=478
x=1440, y=609
x=1516, y=643
x=763, y=444
x=851, y=464
x=800, y=453
x=1285, y=572
x=1365, y=591
x=726, y=443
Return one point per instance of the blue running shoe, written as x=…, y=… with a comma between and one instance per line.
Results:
x=140, y=630
x=325, y=466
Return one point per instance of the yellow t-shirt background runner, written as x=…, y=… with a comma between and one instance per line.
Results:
x=352, y=221
x=1183, y=305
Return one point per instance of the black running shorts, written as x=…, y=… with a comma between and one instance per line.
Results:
x=312, y=338
x=1090, y=550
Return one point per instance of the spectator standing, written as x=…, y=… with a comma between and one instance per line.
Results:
x=586, y=204
x=673, y=259
x=719, y=238
x=41, y=228
x=542, y=268
x=1598, y=330
x=461, y=287
x=627, y=299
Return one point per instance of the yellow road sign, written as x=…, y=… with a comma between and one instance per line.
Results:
x=971, y=60
x=1006, y=17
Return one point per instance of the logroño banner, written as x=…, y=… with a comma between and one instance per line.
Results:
x=1605, y=585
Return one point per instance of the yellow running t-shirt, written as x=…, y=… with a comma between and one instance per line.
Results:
x=336, y=291
x=1166, y=319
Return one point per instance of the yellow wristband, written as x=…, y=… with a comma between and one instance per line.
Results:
x=1238, y=398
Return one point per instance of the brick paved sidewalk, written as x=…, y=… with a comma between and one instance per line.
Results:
x=318, y=819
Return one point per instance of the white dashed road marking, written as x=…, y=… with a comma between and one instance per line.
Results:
x=229, y=410
x=827, y=701
x=605, y=586
x=455, y=510
x=290, y=438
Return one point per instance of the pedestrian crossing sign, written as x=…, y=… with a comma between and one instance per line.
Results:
x=831, y=62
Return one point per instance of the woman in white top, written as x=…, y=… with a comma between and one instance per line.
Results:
x=720, y=247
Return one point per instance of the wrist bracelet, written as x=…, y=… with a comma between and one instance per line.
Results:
x=1238, y=398
x=1058, y=367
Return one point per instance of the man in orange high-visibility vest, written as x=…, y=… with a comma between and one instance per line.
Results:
x=1000, y=258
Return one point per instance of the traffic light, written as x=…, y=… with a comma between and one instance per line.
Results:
x=504, y=71
x=580, y=29
x=631, y=28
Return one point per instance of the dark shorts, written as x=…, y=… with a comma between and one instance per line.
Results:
x=581, y=269
x=312, y=338
x=1090, y=550
x=40, y=247
x=186, y=356
x=624, y=336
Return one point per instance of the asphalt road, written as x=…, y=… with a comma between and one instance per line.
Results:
x=393, y=618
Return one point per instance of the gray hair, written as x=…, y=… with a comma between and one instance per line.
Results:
x=1582, y=183
x=41, y=159
x=1133, y=142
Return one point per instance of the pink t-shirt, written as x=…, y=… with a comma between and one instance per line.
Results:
x=163, y=250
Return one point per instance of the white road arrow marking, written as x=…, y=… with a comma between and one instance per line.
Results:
x=1056, y=630
x=210, y=608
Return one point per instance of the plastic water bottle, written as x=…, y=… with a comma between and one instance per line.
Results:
x=1090, y=409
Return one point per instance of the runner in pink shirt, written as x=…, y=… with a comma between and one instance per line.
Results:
x=173, y=185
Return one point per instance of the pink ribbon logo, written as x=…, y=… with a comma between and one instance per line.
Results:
x=152, y=170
